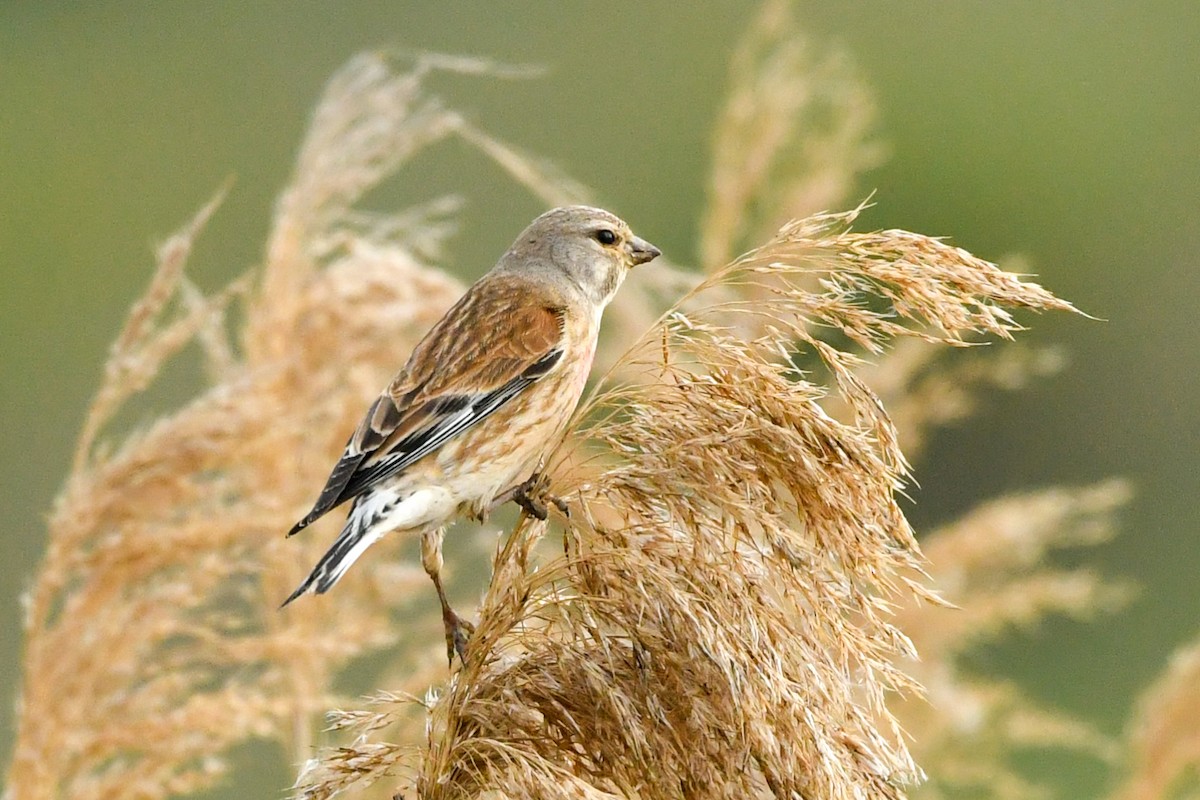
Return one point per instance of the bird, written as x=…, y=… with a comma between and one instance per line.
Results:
x=486, y=393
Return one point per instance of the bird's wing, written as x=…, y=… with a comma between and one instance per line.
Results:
x=500, y=338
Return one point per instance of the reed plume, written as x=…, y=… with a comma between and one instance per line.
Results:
x=720, y=622
x=795, y=133
x=152, y=639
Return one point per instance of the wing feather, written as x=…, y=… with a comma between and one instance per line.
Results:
x=499, y=339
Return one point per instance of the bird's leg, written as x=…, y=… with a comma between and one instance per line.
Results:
x=458, y=630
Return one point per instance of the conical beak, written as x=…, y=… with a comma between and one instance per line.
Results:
x=642, y=251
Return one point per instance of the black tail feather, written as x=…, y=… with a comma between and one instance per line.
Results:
x=301, y=589
x=330, y=569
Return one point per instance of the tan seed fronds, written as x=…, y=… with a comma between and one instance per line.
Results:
x=987, y=559
x=722, y=620
x=153, y=641
x=924, y=390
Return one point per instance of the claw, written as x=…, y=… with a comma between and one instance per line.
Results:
x=560, y=504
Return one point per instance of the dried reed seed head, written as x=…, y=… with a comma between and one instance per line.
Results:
x=723, y=618
x=971, y=733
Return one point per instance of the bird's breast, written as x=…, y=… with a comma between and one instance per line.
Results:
x=506, y=447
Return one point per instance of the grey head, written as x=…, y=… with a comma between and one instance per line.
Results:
x=593, y=249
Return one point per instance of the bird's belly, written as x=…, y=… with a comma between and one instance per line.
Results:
x=506, y=447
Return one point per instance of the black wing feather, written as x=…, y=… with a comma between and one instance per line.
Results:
x=422, y=442
x=331, y=494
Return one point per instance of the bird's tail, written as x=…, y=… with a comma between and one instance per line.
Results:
x=359, y=533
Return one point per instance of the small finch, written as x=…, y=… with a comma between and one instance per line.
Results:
x=482, y=399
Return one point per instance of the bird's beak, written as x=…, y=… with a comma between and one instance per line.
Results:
x=642, y=251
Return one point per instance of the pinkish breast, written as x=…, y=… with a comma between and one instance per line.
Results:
x=584, y=368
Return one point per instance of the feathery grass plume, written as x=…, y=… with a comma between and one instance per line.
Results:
x=991, y=564
x=792, y=138
x=720, y=623
x=1163, y=741
x=152, y=639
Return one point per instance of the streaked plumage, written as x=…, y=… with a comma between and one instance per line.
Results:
x=485, y=394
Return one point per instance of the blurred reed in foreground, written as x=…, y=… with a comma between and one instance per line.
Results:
x=730, y=611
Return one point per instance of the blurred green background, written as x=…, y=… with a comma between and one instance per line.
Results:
x=1066, y=132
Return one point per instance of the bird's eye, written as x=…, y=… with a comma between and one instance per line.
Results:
x=606, y=237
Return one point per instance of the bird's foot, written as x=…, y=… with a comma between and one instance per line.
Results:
x=458, y=633
x=530, y=504
x=532, y=497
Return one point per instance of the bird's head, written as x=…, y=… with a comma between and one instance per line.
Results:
x=592, y=248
